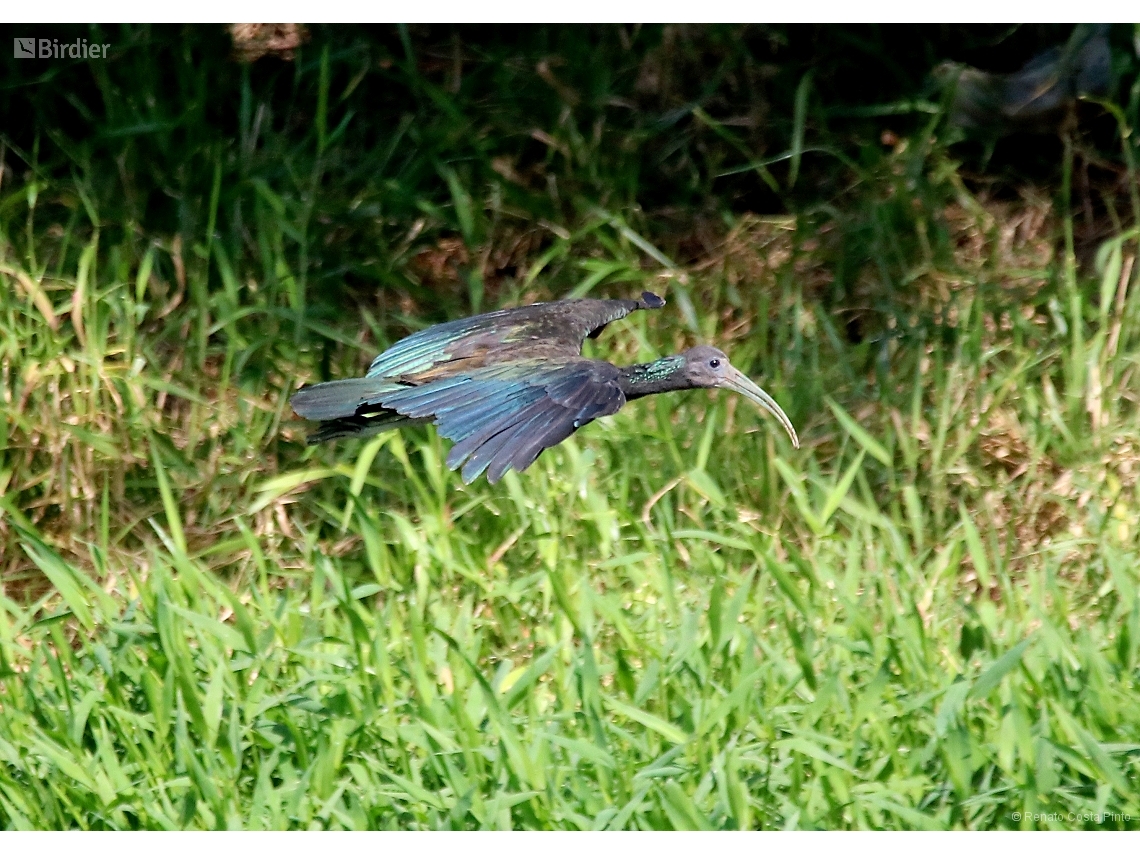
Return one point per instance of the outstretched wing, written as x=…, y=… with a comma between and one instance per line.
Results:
x=552, y=330
x=502, y=417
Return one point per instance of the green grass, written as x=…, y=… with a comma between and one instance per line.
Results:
x=927, y=617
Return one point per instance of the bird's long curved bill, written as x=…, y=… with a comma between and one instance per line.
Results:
x=740, y=383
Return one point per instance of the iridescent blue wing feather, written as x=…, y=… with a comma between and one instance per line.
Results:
x=502, y=417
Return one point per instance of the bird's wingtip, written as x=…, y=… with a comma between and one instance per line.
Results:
x=649, y=300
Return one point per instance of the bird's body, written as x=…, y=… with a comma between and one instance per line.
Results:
x=506, y=385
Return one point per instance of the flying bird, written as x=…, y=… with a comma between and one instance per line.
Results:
x=506, y=385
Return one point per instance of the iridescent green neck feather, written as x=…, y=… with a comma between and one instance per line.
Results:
x=649, y=378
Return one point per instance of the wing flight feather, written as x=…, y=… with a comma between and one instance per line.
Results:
x=503, y=417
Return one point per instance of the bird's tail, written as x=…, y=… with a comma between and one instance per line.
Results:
x=358, y=427
x=341, y=407
x=339, y=399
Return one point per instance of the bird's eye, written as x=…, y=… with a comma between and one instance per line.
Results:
x=714, y=363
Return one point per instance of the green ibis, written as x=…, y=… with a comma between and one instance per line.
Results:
x=506, y=385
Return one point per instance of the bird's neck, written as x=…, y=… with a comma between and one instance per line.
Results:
x=649, y=378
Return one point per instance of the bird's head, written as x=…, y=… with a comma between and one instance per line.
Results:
x=708, y=368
